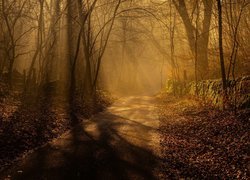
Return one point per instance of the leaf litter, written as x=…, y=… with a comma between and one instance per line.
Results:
x=201, y=142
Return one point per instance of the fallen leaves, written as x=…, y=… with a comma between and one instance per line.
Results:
x=202, y=142
x=25, y=126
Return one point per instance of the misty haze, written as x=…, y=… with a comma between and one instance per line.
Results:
x=124, y=89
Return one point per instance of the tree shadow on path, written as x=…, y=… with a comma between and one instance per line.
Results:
x=100, y=153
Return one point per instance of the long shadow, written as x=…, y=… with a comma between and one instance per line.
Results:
x=89, y=157
x=79, y=154
x=137, y=160
x=27, y=128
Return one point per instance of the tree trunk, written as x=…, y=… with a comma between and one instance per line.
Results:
x=222, y=65
x=203, y=37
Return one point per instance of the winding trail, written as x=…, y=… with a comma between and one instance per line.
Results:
x=119, y=143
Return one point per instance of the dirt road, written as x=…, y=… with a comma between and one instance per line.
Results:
x=120, y=143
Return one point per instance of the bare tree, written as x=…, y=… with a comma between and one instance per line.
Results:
x=222, y=65
x=11, y=14
x=203, y=37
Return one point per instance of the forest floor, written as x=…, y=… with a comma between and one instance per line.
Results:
x=119, y=143
x=201, y=142
x=28, y=123
x=143, y=137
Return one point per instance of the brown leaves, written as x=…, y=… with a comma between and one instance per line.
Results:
x=202, y=142
x=24, y=126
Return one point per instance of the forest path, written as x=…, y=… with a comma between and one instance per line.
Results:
x=119, y=143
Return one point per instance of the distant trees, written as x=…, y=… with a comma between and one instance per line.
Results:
x=232, y=20
x=187, y=14
x=200, y=21
x=12, y=31
x=235, y=23
x=60, y=40
x=66, y=40
x=91, y=41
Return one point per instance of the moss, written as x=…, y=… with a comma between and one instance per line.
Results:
x=211, y=91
